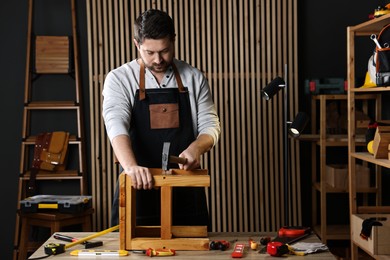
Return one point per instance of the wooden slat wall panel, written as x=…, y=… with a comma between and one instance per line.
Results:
x=240, y=46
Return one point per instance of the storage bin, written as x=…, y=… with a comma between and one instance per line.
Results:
x=337, y=176
x=378, y=242
x=60, y=203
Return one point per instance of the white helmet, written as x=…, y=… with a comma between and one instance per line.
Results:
x=372, y=66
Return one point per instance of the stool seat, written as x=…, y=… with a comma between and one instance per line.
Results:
x=53, y=220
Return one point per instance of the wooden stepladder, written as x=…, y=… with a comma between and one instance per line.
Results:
x=133, y=237
x=53, y=59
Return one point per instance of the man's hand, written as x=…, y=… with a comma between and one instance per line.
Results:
x=202, y=144
x=193, y=159
x=141, y=178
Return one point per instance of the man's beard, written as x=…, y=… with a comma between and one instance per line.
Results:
x=162, y=67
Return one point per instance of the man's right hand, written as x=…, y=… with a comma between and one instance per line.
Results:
x=141, y=178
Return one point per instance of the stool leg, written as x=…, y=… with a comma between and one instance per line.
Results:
x=86, y=225
x=23, y=243
x=166, y=212
x=55, y=226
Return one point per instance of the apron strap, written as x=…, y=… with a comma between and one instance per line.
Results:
x=142, y=80
x=178, y=79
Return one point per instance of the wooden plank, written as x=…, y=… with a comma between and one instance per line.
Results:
x=76, y=61
x=177, y=231
x=222, y=194
x=166, y=212
x=107, y=184
x=261, y=111
x=381, y=142
x=100, y=153
x=176, y=243
x=52, y=54
x=252, y=96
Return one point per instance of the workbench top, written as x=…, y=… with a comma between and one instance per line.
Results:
x=111, y=242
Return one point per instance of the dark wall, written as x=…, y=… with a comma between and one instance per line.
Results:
x=322, y=53
x=13, y=41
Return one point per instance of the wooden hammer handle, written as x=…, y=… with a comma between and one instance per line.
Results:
x=176, y=159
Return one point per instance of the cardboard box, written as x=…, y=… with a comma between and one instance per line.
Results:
x=381, y=142
x=378, y=242
x=337, y=176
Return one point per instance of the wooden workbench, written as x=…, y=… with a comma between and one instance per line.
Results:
x=111, y=242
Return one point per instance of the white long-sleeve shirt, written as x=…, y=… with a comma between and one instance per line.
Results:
x=121, y=84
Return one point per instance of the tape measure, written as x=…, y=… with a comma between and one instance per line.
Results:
x=54, y=249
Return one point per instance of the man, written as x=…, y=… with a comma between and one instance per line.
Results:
x=155, y=99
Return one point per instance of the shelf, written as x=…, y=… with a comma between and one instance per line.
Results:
x=371, y=26
x=334, y=140
x=367, y=157
x=330, y=189
x=376, y=89
x=371, y=207
x=321, y=141
x=334, y=232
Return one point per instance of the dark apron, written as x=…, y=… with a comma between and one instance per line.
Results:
x=158, y=116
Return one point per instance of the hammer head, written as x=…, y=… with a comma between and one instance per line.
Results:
x=165, y=156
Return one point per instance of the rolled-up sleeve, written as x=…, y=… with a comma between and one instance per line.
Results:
x=116, y=106
x=207, y=120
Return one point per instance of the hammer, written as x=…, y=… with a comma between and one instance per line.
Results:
x=167, y=159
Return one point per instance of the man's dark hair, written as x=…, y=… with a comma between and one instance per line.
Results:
x=153, y=24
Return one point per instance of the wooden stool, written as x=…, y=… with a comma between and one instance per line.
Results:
x=165, y=236
x=54, y=221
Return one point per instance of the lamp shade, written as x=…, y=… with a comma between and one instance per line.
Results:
x=272, y=88
x=298, y=125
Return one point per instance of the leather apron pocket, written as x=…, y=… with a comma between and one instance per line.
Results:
x=164, y=116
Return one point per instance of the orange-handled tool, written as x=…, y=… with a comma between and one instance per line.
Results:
x=160, y=252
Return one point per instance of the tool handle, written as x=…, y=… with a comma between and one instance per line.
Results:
x=81, y=240
x=64, y=238
x=238, y=251
x=176, y=159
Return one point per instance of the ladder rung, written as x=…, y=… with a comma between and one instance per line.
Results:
x=52, y=105
x=31, y=140
x=57, y=175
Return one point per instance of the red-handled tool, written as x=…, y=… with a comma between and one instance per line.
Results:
x=293, y=231
x=277, y=248
x=238, y=251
